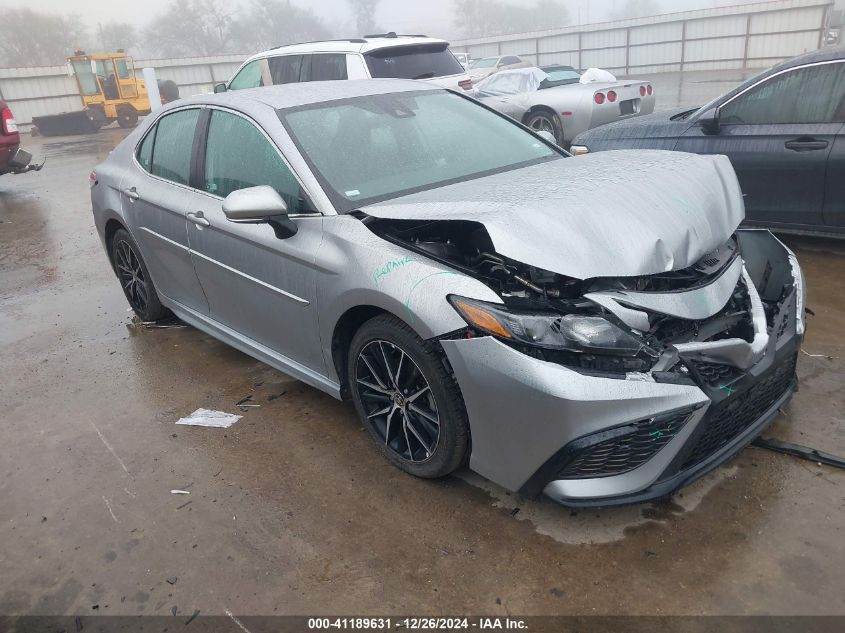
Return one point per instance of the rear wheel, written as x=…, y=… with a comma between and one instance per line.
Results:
x=545, y=121
x=135, y=278
x=127, y=117
x=406, y=399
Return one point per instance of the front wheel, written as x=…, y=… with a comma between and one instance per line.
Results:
x=406, y=399
x=543, y=121
x=127, y=117
x=135, y=278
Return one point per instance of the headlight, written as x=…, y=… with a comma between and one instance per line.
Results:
x=569, y=332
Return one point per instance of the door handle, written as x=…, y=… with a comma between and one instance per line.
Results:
x=132, y=193
x=198, y=218
x=806, y=144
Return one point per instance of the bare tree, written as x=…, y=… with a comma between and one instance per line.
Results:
x=267, y=23
x=636, y=9
x=364, y=12
x=112, y=36
x=192, y=27
x=479, y=18
x=31, y=38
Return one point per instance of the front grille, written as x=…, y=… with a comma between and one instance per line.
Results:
x=714, y=374
x=627, y=449
x=735, y=414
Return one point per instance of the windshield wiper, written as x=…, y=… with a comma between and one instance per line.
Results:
x=427, y=75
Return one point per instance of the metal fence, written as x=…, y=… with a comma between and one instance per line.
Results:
x=51, y=90
x=744, y=36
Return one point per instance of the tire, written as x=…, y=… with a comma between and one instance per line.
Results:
x=127, y=117
x=545, y=121
x=168, y=90
x=412, y=441
x=134, y=278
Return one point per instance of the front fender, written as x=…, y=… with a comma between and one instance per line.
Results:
x=358, y=268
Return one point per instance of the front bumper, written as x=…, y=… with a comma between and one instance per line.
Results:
x=586, y=440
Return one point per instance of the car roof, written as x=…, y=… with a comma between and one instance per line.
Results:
x=822, y=55
x=356, y=45
x=306, y=93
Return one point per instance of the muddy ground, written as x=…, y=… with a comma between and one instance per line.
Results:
x=293, y=511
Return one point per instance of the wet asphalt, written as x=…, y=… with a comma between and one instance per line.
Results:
x=292, y=510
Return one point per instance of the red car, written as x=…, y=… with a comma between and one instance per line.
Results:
x=13, y=159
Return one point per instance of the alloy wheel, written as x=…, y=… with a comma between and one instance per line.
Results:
x=541, y=123
x=131, y=276
x=398, y=401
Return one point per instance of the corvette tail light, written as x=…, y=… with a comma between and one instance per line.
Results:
x=642, y=91
x=611, y=96
x=599, y=98
x=649, y=89
x=466, y=84
x=92, y=179
x=9, y=125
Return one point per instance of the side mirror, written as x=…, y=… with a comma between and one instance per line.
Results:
x=711, y=125
x=258, y=205
x=547, y=136
x=218, y=88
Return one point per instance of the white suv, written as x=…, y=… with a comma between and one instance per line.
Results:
x=374, y=56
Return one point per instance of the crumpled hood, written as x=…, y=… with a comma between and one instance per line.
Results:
x=610, y=214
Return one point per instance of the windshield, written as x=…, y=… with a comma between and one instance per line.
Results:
x=560, y=76
x=85, y=76
x=485, y=63
x=413, y=62
x=367, y=149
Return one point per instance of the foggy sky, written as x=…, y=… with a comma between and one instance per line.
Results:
x=432, y=17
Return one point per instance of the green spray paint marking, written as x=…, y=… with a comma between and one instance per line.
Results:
x=730, y=390
x=389, y=267
x=414, y=287
x=656, y=434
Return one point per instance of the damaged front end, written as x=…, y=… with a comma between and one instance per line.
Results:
x=616, y=389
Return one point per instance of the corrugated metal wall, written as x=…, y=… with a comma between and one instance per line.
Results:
x=739, y=37
x=49, y=90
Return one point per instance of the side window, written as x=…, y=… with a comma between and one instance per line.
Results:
x=511, y=60
x=783, y=99
x=145, y=150
x=238, y=156
x=173, y=145
x=285, y=69
x=326, y=67
x=249, y=77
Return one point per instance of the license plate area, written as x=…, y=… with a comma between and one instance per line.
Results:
x=628, y=107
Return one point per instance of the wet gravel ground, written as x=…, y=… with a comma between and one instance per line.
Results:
x=291, y=510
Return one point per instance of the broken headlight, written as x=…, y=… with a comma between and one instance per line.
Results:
x=570, y=332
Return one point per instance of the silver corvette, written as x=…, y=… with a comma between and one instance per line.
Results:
x=552, y=99
x=596, y=328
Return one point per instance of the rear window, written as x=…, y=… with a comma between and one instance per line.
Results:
x=413, y=62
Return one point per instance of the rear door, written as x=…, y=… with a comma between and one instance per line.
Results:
x=259, y=285
x=156, y=197
x=778, y=135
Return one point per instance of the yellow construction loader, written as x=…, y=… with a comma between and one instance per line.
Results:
x=110, y=92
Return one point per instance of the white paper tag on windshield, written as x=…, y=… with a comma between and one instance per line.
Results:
x=353, y=192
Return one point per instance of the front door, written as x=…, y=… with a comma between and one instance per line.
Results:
x=778, y=135
x=259, y=285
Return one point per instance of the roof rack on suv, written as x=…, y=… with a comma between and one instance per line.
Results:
x=391, y=34
x=351, y=41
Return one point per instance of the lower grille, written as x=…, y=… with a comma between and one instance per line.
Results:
x=734, y=415
x=714, y=374
x=628, y=447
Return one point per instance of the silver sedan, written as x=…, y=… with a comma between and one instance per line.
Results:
x=585, y=327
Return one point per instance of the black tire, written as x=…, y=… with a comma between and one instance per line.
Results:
x=134, y=278
x=168, y=90
x=544, y=120
x=127, y=117
x=422, y=448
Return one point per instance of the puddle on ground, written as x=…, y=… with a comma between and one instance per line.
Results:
x=595, y=526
